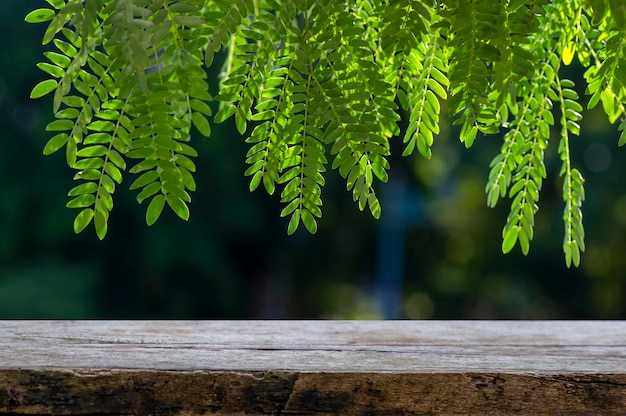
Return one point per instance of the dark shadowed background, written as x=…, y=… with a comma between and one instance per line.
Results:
x=435, y=253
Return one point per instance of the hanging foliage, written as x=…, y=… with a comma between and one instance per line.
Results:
x=313, y=85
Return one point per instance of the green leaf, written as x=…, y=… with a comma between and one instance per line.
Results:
x=97, y=138
x=176, y=189
x=53, y=70
x=82, y=220
x=66, y=48
x=294, y=222
x=608, y=101
x=148, y=191
x=240, y=121
x=524, y=242
x=154, y=209
x=185, y=149
x=55, y=143
x=309, y=221
x=53, y=28
x=92, y=151
x=264, y=115
x=101, y=125
x=568, y=53
x=269, y=184
x=145, y=179
x=178, y=206
x=107, y=183
x=201, y=123
x=89, y=163
x=70, y=152
x=114, y=172
x=43, y=88
x=100, y=222
x=60, y=125
x=88, y=175
x=437, y=88
x=254, y=168
x=71, y=113
x=182, y=7
x=374, y=205
x=225, y=113
x=290, y=207
x=256, y=180
x=201, y=106
x=117, y=159
x=39, y=16
x=59, y=59
x=190, y=21
x=161, y=32
x=510, y=238
x=57, y=4
x=82, y=201
x=468, y=134
x=71, y=8
x=84, y=188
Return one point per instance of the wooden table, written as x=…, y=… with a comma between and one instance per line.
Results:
x=313, y=367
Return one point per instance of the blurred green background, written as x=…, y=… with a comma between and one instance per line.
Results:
x=434, y=254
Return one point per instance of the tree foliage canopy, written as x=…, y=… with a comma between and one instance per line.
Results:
x=314, y=84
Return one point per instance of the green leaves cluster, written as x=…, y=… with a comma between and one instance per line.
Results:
x=322, y=84
x=129, y=82
x=530, y=114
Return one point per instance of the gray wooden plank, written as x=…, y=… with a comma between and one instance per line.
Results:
x=398, y=346
x=183, y=368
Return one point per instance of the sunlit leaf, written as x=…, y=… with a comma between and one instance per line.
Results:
x=83, y=219
x=201, y=123
x=294, y=222
x=43, y=88
x=154, y=209
x=100, y=222
x=178, y=206
x=224, y=113
x=39, y=16
x=509, y=239
x=55, y=143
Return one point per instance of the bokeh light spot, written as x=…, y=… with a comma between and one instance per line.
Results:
x=419, y=306
x=597, y=157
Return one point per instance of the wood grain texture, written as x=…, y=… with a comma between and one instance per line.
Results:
x=313, y=367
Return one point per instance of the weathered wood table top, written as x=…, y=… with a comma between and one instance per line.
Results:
x=313, y=367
